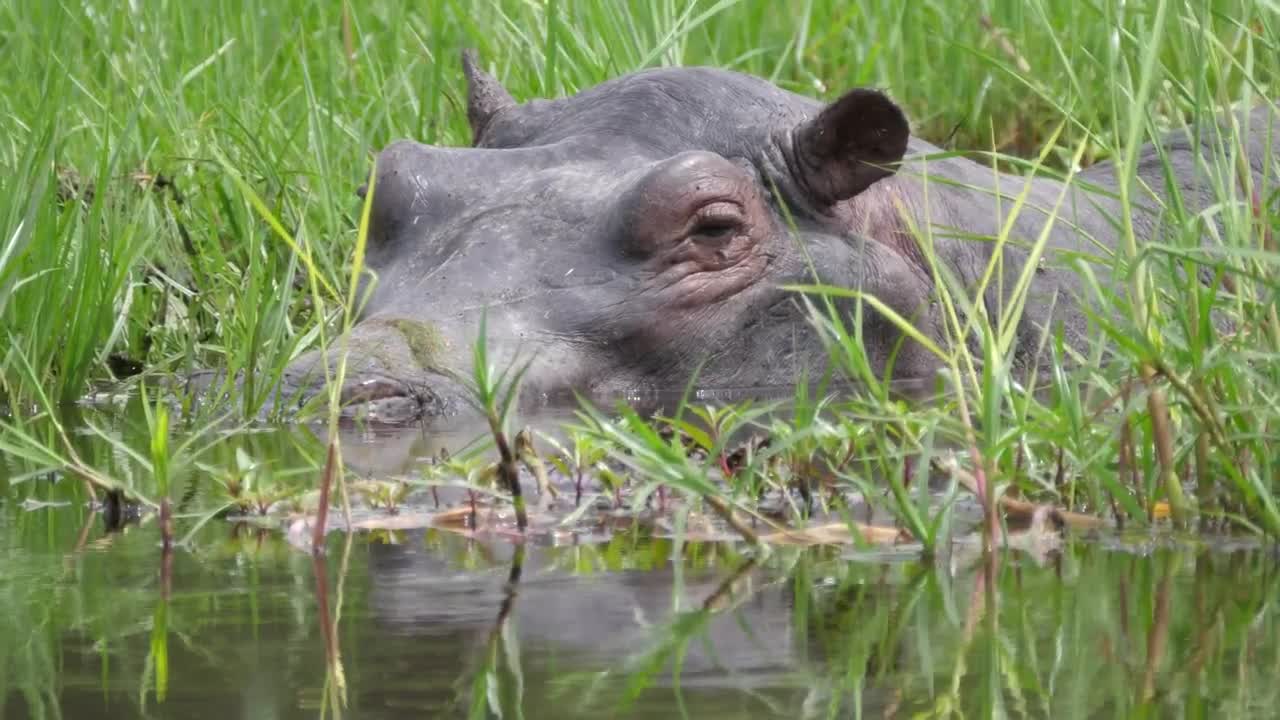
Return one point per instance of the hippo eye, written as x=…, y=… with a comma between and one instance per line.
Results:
x=717, y=222
x=715, y=229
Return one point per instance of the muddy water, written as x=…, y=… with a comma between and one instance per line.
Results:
x=237, y=622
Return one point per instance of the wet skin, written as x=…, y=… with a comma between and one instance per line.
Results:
x=644, y=229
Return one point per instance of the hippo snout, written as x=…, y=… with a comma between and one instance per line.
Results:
x=382, y=399
x=365, y=394
x=395, y=372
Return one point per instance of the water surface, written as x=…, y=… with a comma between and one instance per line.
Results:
x=244, y=624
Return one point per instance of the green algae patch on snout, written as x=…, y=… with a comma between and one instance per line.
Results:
x=426, y=342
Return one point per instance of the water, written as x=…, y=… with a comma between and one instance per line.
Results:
x=91, y=625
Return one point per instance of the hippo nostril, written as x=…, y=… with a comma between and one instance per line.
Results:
x=372, y=390
x=381, y=399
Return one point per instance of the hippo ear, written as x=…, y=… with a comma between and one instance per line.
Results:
x=485, y=95
x=852, y=143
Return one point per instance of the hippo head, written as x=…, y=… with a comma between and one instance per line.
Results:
x=625, y=238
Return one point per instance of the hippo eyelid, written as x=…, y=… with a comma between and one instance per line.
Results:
x=720, y=210
x=715, y=215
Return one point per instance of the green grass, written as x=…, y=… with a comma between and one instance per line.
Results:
x=177, y=192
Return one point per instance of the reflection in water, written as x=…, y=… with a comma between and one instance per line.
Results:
x=238, y=623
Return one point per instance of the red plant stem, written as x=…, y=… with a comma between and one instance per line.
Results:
x=166, y=572
x=1157, y=640
x=322, y=513
x=985, y=496
x=509, y=473
x=166, y=524
x=322, y=611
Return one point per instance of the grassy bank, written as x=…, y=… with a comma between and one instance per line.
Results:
x=145, y=145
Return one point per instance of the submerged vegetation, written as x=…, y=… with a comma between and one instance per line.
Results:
x=177, y=193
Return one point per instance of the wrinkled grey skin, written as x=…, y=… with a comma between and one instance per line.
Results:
x=624, y=237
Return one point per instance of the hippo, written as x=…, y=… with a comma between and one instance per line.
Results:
x=654, y=227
